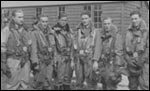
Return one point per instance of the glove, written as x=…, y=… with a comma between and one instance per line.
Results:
x=132, y=63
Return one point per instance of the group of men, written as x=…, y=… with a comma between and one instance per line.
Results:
x=58, y=57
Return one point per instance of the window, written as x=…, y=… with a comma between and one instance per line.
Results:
x=61, y=10
x=38, y=12
x=97, y=16
x=87, y=8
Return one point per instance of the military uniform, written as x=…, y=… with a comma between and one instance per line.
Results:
x=135, y=44
x=111, y=58
x=88, y=50
x=144, y=77
x=17, y=54
x=42, y=50
x=63, y=44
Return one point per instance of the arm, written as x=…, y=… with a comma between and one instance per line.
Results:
x=98, y=46
x=119, y=49
x=4, y=38
x=34, y=57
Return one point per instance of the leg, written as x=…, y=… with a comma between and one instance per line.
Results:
x=133, y=82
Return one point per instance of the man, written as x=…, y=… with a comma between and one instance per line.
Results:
x=111, y=55
x=88, y=49
x=144, y=78
x=42, y=50
x=15, y=44
x=4, y=18
x=63, y=43
x=135, y=46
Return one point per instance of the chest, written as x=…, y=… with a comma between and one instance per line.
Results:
x=61, y=40
x=16, y=39
x=86, y=40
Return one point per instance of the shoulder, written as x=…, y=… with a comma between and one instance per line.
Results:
x=143, y=25
x=5, y=30
x=114, y=28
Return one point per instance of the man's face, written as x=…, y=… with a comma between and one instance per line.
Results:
x=85, y=19
x=135, y=19
x=19, y=18
x=107, y=24
x=63, y=21
x=44, y=22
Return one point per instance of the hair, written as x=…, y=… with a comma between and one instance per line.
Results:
x=86, y=13
x=16, y=11
x=42, y=16
x=107, y=18
x=136, y=12
x=62, y=15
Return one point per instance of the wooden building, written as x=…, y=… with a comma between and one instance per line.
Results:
x=118, y=10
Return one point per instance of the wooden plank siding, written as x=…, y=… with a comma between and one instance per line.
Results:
x=119, y=12
x=73, y=13
x=114, y=11
x=131, y=6
x=51, y=12
x=128, y=8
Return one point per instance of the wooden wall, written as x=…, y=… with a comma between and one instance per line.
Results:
x=131, y=6
x=119, y=12
x=114, y=11
x=51, y=12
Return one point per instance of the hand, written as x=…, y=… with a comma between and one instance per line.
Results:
x=57, y=28
x=81, y=52
x=50, y=49
x=95, y=65
x=135, y=54
x=102, y=56
x=3, y=50
x=25, y=49
x=29, y=42
x=72, y=64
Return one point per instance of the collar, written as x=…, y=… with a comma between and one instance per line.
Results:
x=14, y=26
x=141, y=26
x=42, y=29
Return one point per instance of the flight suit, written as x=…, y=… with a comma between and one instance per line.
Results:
x=63, y=44
x=111, y=58
x=42, y=56
x=88, y=49
x=17, y=54
x=144, y=77
x=135, y=44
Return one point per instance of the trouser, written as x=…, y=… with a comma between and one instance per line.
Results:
x=133, y=82
x=133, y=78
x=3, y=81
x=83, y=70
x=19, y=76
x=110, y=75
x=144, y=78
x=44, y=77
x=64, y=71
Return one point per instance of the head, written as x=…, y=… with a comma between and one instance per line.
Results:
x=135, y=18
x=62, y=19
x=107, y=22
x=35, y=20
x=43, y=21
x=18, y=16
x=86, y=18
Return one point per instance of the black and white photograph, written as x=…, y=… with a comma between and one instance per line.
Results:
x=74, y=45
